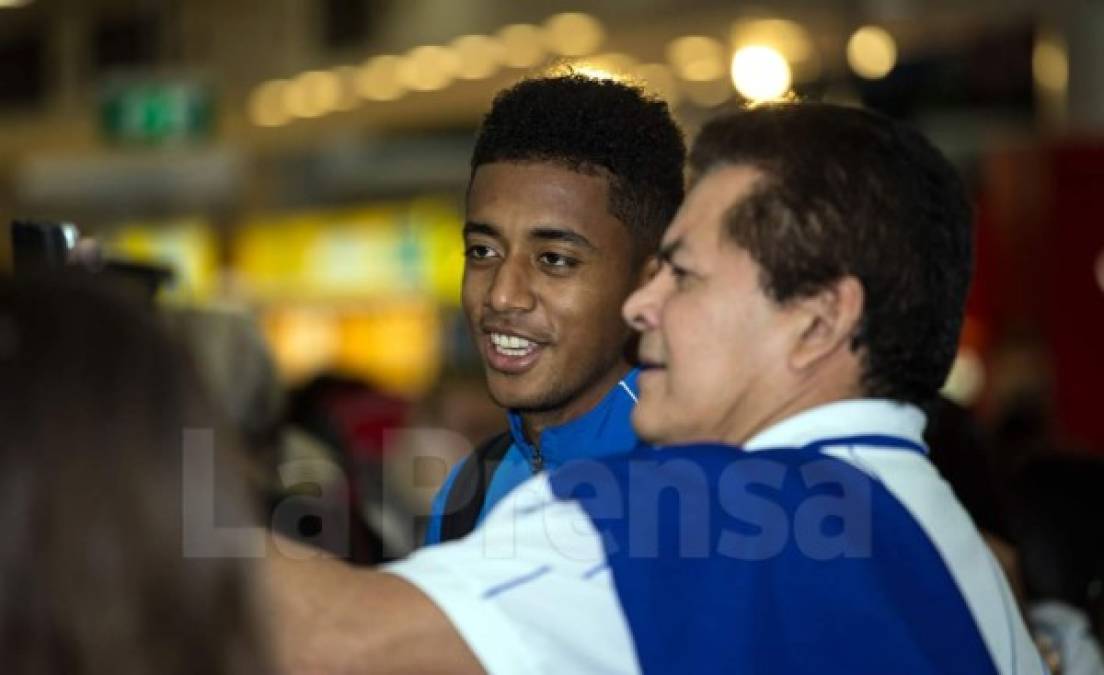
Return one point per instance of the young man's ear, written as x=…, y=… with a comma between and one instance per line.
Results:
x=829, y=320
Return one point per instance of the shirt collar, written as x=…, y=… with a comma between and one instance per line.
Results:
x=856, y=417
x=603, y=430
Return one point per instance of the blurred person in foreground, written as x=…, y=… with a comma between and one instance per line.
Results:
x=94, y=403
x=573, y=181
x=810, y=299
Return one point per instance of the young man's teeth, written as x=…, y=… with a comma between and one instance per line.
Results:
x=511, y=345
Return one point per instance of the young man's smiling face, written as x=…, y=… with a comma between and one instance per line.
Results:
x=547, y=268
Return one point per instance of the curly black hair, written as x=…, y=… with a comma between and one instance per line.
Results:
x=590, y=125
x=851, y=192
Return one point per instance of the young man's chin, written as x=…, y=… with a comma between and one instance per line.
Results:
x=516, y=392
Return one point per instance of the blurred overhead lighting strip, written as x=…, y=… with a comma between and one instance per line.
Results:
x=266, y=105
x=524, y=45
x=573, y=34
x=313, y=94
x=347, y=80
x=696, y=58
x=429, y=68
x=378, y=79
x=479, y=56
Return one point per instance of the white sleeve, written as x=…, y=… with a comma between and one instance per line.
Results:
x=529, y=590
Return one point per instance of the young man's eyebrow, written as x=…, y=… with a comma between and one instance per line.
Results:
x=481, y=228
x=561, y=234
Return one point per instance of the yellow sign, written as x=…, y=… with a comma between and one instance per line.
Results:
x=187, y=246
x=410, y=249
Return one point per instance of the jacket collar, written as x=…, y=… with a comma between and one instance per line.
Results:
x=601, y=431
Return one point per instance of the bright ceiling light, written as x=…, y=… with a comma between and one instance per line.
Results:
x=1050, y=64
x=761, y=73
x=788, y=37
x=312, y=94
x=478, y=56
x=347, y=79
x=573, y=34
x=13, y=4
x=428, y=68
x=871, y=52
x=696, y=58
x=524, y=44
x=266, y=105
x=378, y=80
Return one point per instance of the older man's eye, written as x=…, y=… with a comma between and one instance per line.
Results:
x=558, y=260
x=681, y=275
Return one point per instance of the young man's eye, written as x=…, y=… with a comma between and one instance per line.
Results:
x=558, y=260
x=479, y=252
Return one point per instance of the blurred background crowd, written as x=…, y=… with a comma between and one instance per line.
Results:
x=290, y=174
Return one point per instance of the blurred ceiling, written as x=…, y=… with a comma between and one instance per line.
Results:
x=278, y=88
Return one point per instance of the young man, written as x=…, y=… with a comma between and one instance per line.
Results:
x=573, y=182
x=810, y=298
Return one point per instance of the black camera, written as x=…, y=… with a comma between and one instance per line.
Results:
x=39, y=244
x=43, y=245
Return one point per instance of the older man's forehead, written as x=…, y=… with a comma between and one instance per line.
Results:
x=710, y=199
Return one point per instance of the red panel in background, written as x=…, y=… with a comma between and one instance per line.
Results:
x=1072, y=307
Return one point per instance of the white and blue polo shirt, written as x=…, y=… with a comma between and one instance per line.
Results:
x=827, y=544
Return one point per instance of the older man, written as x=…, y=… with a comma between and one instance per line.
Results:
x=809, y=301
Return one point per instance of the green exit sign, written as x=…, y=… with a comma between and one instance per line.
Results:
x=157, y=112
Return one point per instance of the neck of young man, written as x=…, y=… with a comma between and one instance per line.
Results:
x=533, y=423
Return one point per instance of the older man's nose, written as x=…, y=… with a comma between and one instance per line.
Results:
x=641, y=309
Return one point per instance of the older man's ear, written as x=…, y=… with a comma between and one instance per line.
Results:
x=827, y=322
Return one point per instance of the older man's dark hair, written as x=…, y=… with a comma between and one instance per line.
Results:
x=594, y=126
x=851, y=192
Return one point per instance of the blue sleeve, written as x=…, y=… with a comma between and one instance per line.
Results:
x=437, y=510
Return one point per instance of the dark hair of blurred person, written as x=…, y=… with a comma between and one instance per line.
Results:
x=962, y=451
x=94, y=399
x=1058, y=502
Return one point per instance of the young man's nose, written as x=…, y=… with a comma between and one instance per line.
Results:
x=511, y=289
